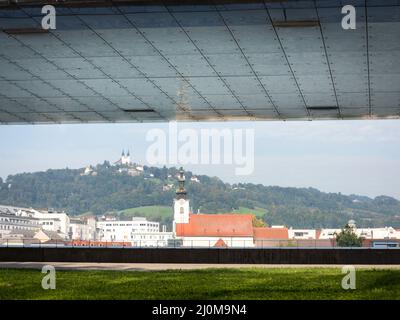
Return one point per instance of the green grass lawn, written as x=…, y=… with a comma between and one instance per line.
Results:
x=246, y=283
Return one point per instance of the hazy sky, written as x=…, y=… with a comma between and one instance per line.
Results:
x=361, y=157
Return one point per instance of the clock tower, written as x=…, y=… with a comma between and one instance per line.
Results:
x=181, y=204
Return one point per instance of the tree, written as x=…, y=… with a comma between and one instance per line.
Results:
x=258, y=222
x=348, y=238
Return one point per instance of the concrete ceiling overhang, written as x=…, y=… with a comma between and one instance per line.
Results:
x=146, y=61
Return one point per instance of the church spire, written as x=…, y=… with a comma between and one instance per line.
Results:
x=123, y=153
x=181, y=191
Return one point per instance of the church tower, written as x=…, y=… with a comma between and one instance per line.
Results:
x=125, y=159
x=128, y=158
x=181, y=204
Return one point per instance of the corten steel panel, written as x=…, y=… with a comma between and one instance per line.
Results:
x=197, y=60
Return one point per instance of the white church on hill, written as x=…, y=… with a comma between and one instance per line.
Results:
x=125, y=159
x=126, y=165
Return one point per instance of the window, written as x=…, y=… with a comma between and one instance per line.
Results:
x=181, y=210
x=299, y=234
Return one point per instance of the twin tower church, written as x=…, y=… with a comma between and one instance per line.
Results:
x=125, y=159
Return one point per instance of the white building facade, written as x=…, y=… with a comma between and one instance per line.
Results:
x=17, y=219
x=82, y=229
x=138, y=231
x=303, y=234
x=53, y=221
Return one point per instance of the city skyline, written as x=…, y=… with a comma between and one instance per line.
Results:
x=351, y=157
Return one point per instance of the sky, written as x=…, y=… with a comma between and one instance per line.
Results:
x=351, y=157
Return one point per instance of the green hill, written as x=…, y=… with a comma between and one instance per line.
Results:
x=258, y=212
x=154, y=213
x=164, y=213
x=149, y=211
x=111, y=190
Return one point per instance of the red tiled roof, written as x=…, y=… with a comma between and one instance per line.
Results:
x=220, y=244
x=216, y=225
x=270, y=233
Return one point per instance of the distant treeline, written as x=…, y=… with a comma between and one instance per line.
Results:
x=111, y=190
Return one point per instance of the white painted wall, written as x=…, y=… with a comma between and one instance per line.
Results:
x=302, y=233
x=61, y=216
x=232, y=242
x=139, y=231
x=181, y=211
x=154, y=239
x=81, y=231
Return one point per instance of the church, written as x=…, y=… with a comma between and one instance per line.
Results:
x=209, y=230
x=125, y=160
x=126, y=165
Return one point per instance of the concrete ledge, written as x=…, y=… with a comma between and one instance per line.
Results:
x=177, y=266
x=210, y=256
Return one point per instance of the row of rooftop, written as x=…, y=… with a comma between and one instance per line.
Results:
x=28, y=225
